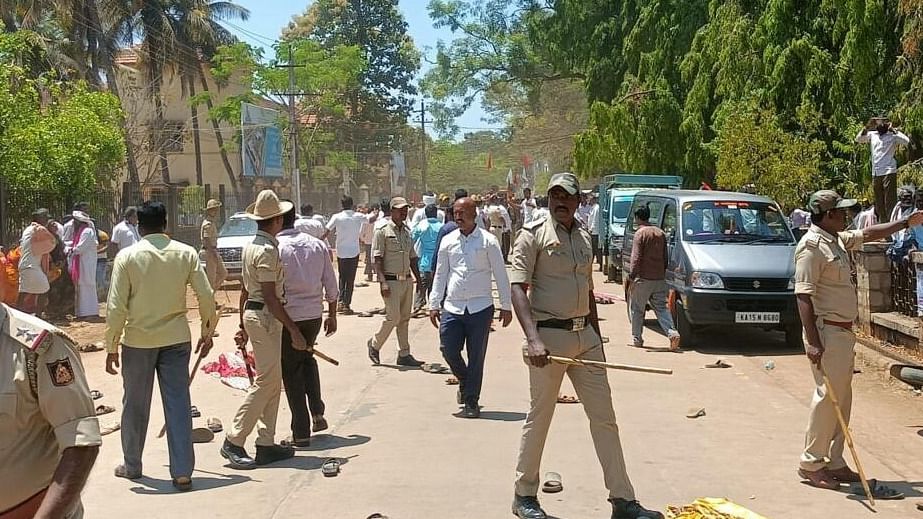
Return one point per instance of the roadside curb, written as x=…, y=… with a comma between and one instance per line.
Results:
x=872, y=353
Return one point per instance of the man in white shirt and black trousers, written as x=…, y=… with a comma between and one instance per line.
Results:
x=461, y=301
x=347, y=224
x=883, y=139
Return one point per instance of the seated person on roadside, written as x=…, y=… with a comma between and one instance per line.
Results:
x=828, y=307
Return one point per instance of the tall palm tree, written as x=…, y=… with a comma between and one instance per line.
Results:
x=200, y=35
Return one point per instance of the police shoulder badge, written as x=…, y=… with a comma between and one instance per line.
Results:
x=61, y=371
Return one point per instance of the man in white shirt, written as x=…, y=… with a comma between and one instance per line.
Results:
x=420, y=214
x=347, y=224
x=125, y=234
x=528, y=206
x=884, y=140
x=384, y=216
x=593, y=227
x=498, y=218
x=461, y=302
x=542, y=211
x=365, y=239
x=308, y=224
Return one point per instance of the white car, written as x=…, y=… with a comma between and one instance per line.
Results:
x=234, y=234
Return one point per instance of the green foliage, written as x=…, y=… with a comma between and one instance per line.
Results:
x=753, y=149
x=57, y=137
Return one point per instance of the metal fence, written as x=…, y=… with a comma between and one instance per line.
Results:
x=185, y=207
x=904, y=288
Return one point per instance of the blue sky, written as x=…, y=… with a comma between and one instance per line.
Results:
x=267, y=23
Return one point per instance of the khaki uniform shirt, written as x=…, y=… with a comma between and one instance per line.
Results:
x=557, y=264
x=822, y=270
x=262, y=264
x=209, y=234
x=45, y=405
x=394, y=246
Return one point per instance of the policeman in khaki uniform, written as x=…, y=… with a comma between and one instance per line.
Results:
x=828, y=306
x=214, y=265
x=552, y=295
x=49, y=434
x=395, y=260
x=262, y=317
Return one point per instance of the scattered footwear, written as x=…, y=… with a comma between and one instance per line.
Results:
x=364, y=314
x=195, y=412
x=95, y=394
x=819, y=479
x=320, y=424
x=182, y=483
x=109, y=429
x=880, y=491
x=435, y=368
x=273, y=453
x=330, y=468
x=214, y=425
x=451, y=381
x=844, y=475
x=565, y=399
x=527, y=507
x=299, y=443
x=122, y=471
x=374, y=355
x=88, y=348
x=553, y=483
x=409, y=361
x=695, y=412
x=202, y=435
x=718, y=364
x=237, y=456
x=674, y=343
x=624, y=509
x=104, y=409
x=361, y=284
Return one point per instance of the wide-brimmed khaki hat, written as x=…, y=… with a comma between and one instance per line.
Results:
x=212, y=204
x=268, y=206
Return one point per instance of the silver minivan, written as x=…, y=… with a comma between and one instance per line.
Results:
x=731, y=260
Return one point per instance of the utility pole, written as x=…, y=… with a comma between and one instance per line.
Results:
x=293, y=116
x=423, y=142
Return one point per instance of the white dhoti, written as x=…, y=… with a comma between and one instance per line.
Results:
x=33, y=281
x=86, y=303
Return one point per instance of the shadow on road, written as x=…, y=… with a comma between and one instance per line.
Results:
x=745, y=342
x=323, y=442
x=501, y=416
x=154, y=486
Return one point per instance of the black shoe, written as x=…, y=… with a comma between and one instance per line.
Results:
x=472, y=411
x=527, y=507
x=409, y=361
x=237, y=456
x=272, y=453
x=182, y=483
x=624, y=509
x=373, y=353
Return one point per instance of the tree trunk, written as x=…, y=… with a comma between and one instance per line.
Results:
x=218, y=136
x=158, y=135
x=196, y=141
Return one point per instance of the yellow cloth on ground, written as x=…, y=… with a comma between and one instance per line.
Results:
x=711, y=508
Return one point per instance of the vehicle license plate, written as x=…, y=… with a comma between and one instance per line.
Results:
x=757, y=317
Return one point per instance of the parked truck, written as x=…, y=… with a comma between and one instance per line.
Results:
x=616, y=193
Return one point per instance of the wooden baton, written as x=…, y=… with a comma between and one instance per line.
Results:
x=610, y=365
x=852, y=448
x=325, y=357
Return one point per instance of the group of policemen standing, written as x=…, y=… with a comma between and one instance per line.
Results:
x=51, y=443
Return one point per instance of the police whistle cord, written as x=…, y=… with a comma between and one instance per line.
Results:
x=610, y=365
x=852, y=448
x=209, y=332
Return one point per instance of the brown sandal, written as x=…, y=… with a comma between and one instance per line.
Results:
x=819, y=478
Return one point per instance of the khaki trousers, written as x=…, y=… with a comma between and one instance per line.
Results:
x=592, y=387
x=261, y=406
x=215, y=270
x=398, y=310
x=824, y=440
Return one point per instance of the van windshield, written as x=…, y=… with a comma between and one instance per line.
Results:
x=619, y=212
x=238, y=227
x=734, y=221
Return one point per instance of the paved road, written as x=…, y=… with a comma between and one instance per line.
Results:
x=405, y=455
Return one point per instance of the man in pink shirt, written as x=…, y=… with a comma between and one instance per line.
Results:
x=309, y=281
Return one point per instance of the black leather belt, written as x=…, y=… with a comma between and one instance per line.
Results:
x=397, y=277
x=572, y=325
x=254, y=305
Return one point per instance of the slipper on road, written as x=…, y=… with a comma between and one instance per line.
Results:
x=565, y=399
x=202, y=435
x=553, y=483
x=718, y=364
x=214, y=425
x=104, y=409
x=331, y=467
x=451, y=381
x=194, y=411
x=695, y=412
x=95, y=394
x=880, y=491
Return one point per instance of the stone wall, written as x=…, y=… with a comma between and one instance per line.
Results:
x=873, y=277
